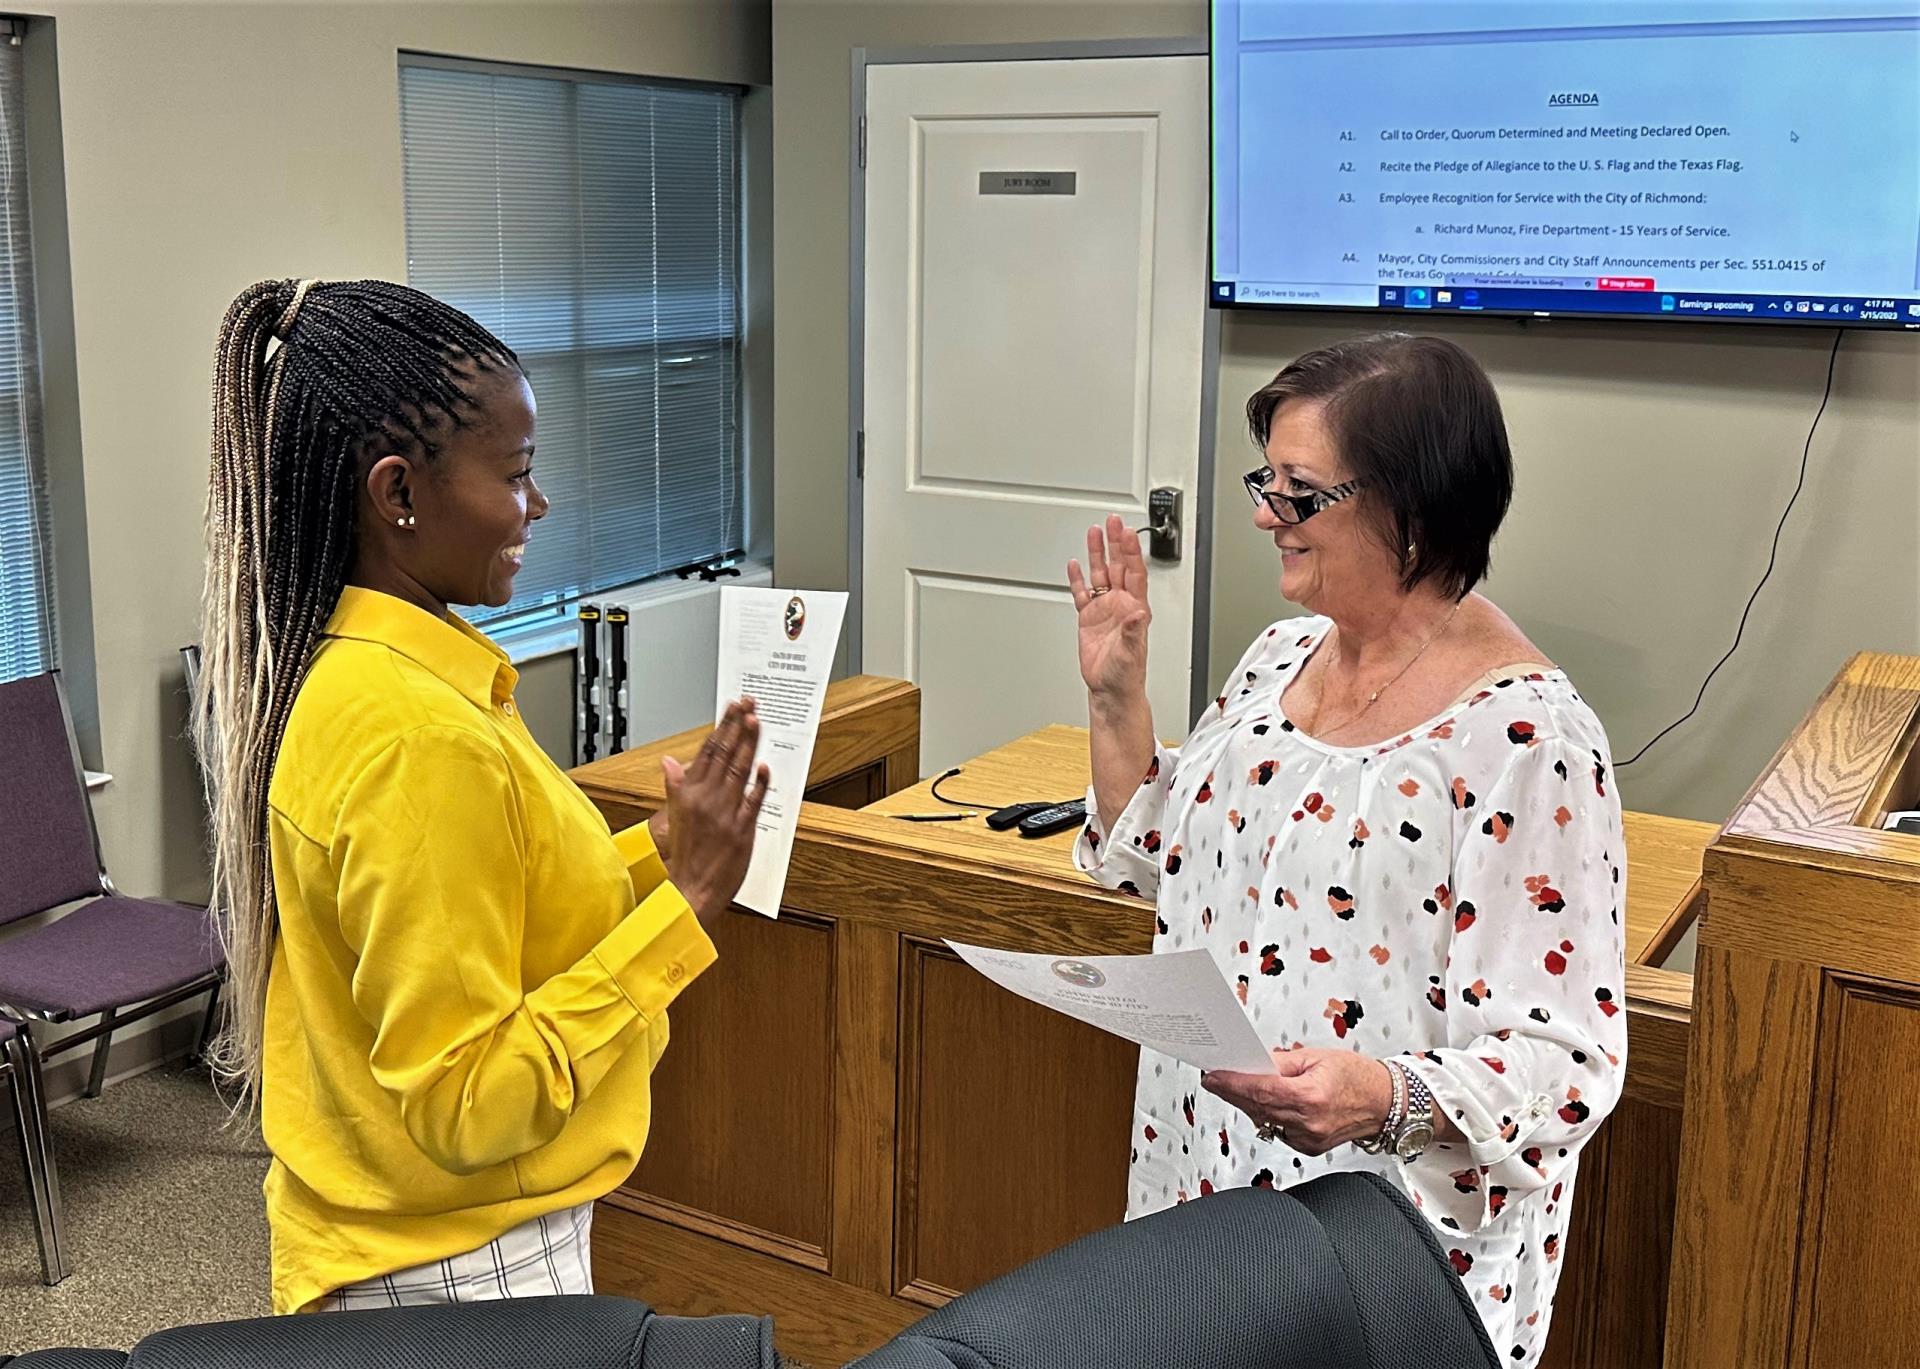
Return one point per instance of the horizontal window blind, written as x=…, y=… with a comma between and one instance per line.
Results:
x=26, y=562
x=594, y=226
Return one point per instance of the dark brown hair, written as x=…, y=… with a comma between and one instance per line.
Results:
x=1417, y=419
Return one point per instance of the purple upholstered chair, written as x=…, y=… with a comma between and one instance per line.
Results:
x=116, y=958
x=20, y=1071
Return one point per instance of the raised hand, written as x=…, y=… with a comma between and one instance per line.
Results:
x=711, y=811
x=1111, y=601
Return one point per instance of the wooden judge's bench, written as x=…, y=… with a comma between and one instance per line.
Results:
x=851, y=1126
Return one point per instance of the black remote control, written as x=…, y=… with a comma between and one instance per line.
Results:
x=1003, y=818
x=1055, y=819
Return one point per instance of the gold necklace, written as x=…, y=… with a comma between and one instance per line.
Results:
x=1314, y=728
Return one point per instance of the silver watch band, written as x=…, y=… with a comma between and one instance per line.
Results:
x=1415, y=1133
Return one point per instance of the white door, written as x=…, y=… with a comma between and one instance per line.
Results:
x=1035, y=300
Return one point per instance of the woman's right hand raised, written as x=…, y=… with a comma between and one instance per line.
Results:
x=711, y=812
x=1111, y=601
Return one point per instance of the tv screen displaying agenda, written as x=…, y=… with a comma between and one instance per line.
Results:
x=1747, y=160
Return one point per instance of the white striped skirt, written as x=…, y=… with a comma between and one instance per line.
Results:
x=545, y=1256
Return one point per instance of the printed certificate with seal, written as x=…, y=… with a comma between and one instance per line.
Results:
x=1178, y=1003
x=778, y=645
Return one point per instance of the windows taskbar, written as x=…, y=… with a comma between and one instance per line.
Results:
x=1594, y=295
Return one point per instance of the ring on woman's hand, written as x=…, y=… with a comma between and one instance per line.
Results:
x=1098, y=590
x=1271, y=1131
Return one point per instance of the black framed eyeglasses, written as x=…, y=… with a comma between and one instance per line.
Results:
x=1294, y=509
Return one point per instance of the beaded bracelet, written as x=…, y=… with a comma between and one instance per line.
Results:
x=1396, y=1111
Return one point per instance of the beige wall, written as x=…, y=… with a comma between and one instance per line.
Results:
x=1653, y=461
x=812, y=40
x=208, y=146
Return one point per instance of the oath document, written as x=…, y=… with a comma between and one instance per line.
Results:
x=778, y=646
x=1178, y=1003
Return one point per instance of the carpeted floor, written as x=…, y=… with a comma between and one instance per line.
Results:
x=163, y=1219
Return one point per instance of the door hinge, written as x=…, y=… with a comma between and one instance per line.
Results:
x=863, y=142
x=860, y=455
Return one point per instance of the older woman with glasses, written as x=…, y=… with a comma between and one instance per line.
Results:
x=1395, y=829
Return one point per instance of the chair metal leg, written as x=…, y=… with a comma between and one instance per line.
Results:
x=23, y=1132
x=207, y=1023
x=97, y=1078
x=36, y=1153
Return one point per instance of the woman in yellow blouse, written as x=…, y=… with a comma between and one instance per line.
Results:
x=449, y=981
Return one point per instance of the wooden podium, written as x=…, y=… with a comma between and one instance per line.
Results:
x=850, y=1126
x=1798, y=1189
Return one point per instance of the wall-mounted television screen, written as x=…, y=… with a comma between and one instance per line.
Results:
x=1748, y=160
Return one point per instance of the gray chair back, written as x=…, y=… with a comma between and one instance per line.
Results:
x=583, y=1332
x=1341, y=1270
x=49, y=853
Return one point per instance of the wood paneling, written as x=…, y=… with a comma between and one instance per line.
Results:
x=1015, y=1125
x=1632, y=1237
x=1827, y=783
x=1795, y=1191
x=1897, y=789
x=1854, y=915
x=741, y=1106
x=1610, y=1311
x=863, y=721
x=1749, y=1084
x=856, y=790
x=1659, y=1024
x=1664, y=895
x=1827, y=772
x=817, y=1319
x=968, y=1130
x=1862, y=1170
x=865, y=1039
x=1663, y=854
x=858, y=865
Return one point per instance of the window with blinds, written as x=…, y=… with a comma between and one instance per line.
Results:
x=594, y=226
x=26, y=561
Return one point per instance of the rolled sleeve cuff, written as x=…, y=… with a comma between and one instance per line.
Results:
x=644, y=866
x=656, y=951
x=1489, y=1139
x=1453, y=1183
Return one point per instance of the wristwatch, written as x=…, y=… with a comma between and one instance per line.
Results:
x=1415, y=1134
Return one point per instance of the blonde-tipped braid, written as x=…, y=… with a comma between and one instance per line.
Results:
x=359, y=364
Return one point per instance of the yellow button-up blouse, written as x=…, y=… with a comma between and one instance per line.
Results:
x=470, y=983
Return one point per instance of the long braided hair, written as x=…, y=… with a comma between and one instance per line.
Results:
x=360, y=367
